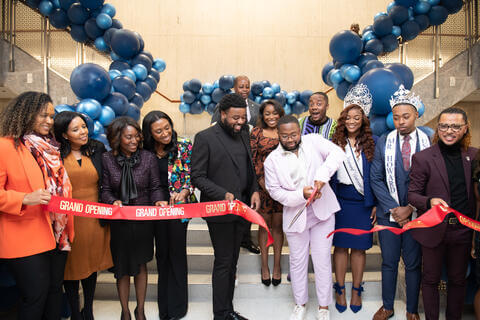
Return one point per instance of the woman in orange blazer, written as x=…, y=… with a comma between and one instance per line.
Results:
x=33, y=242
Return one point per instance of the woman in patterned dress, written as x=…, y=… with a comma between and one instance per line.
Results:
x=263, y=140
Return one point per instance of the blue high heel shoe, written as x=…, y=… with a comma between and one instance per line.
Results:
x=338, y=290
x=359, y=290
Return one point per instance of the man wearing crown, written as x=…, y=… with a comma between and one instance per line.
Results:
x=442, y=174
x=389, y=180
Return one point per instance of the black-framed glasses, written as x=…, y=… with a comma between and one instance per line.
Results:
x=455, y=127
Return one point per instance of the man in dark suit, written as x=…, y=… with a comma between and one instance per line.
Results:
x=442, y=174
x=222, y=169
x=241, y=86
x=389, y=181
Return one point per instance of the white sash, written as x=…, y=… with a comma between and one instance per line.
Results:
x=390, y=156
x=353, y=170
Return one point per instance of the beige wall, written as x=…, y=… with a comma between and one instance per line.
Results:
x=283, y=41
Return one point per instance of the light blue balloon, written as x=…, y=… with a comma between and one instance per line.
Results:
x=63, y=107
x=343, y=68
x=276, y=88
x=91, y=107
x=129, y=73
x=390, y=123
x=109, y=9
x=422, y=7
x=140, y=71
x=98, y=128
x=288, y=109
x=397, y=31
x=369, y=35
x=258, y=99
x=205, y=99
x=352, y=73
x=45, y=7
x=433, y=2
x=268, y=93
x=216, y=84
x=101, y=45
x=106, y=116
x=336, y=76
x=410, y=14
x=207, y=88
x=114, y=73
x=104, y=21
x=184, y=107
x=421, y=110
x=291, y=97
x=56, y=3
x=159, y=65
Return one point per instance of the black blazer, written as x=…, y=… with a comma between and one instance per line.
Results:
x=214, y=170
x=252, y=106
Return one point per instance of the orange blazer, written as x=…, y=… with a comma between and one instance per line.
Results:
x=24, y=230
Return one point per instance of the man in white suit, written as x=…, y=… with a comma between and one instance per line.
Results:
x=292, y=171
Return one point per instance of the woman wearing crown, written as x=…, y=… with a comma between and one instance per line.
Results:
x=352, y=188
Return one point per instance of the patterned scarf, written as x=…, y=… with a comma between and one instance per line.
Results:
x=56, y=179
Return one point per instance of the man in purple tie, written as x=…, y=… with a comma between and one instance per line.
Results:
x=389, y=180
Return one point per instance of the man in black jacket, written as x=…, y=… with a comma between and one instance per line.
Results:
x=222, y=169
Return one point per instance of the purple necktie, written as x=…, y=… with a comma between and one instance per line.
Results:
x=406, y=153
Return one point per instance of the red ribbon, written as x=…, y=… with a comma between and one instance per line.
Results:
x=90, y=209
x=429, y=219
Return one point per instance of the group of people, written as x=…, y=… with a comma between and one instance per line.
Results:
x=307, y=177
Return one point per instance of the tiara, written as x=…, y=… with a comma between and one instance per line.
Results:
x=404, y=96
x=360, y=96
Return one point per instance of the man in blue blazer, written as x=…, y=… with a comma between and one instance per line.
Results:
x=389, y=180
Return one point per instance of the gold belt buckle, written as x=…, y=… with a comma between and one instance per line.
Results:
x=452, y=220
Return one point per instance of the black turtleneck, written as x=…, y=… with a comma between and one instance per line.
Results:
x=452, y=156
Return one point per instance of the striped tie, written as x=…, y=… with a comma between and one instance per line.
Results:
x=406, y=153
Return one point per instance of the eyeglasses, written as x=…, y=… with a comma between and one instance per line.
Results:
x=285, y=137
x=444, y=127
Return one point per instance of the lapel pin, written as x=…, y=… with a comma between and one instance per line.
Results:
x=468, y=158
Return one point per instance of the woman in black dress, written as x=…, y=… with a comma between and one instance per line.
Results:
x=130, y=177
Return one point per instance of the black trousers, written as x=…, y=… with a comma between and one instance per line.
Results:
x=226, y=238
x=171, y=256
x=39, y=279
x=246, y=236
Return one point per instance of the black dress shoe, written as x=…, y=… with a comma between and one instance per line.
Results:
x=250, y=247
x=235, y=316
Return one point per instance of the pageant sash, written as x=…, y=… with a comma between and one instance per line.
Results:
x=353, y=170
x=390, y=159
x=90, y=209
x=429, y=219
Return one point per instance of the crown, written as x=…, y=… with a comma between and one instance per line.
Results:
x=360, y=96
x=404, y=96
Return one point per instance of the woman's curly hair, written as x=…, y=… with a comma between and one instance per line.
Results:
x=18, y=117
x=363, y=142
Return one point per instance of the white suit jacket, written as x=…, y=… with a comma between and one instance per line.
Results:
x=323, y=159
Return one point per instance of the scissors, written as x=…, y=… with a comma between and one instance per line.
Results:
x=309, y=201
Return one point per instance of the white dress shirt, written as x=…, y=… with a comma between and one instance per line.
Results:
x=413, y=143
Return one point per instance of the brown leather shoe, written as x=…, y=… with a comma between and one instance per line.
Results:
x=383, y=314
x=413, y=316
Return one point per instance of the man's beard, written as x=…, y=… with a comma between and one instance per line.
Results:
x=229, y=129
x=294, y=148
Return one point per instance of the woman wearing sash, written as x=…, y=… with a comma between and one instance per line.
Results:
x=130, y=177
x=33, y=241
x=82, y=158
x=173, y=158
x=351, y=185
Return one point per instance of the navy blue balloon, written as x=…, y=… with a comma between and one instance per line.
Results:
x=382, y=83
x=434, y=2
x=125, y=86
x=66, y=4
x=117, y=24
x=33, y=3
x=369, y=35
x=59, y=19
x=429, y=131
x=109, y=9
x=437, y=15
x=144, y=89
x=195, y=86
x=133, y=112
x=326, y=69
x=298, y=107
x=345, y=46
x=148, y=54
x=403, y=72
x=374, y=46
x=101, y=45
x=189, y=97
x=106, y=115
x=342, y=89
x=92, y=4
x=89, y=80
x=225, y=82
x=45, y=7
x=406, y=3
x=423, y=22
x=125, y=43
x=108, y=35
x=95, y=13
x=378, y=124
x=280, y=97
x=154, y=73
x=364, y=58
x=142, y=59
x=410, y=30
x=78, y=14
x=196, y=108
x=398, y=14
x=138, y=100
x=338, y=64
x=92, y=29
x=266, y=83
x=383, y=26
x=185, y=85
x=119, y=65
x=118, y=102
x=367, y=28
x=104, y=21
x=151, y=82
x=90, y=123
x=217, y=95
x=372, y=64
x=211, y=108
x=305, y=96
x=63, y=107
x=77, y=32
x=256, y=88
x=378, y=15
x=140, y=40
x=390, y=43
x=452, y=6
x=397, y=31
x=422, y=7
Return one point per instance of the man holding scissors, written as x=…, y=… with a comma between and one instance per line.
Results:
x=298, y=170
